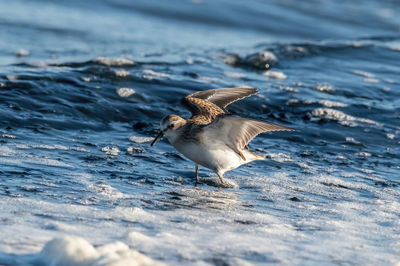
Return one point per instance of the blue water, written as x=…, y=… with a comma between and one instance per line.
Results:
x=75, y=157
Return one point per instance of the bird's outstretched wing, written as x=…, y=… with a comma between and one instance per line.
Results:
x=206, y=105
x=240, y=131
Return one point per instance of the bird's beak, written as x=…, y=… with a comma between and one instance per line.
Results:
x=159, y=136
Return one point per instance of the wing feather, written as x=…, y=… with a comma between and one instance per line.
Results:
x=242, y=130
x=213, y=102
x=224, y=97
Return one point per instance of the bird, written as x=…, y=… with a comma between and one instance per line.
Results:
x=212, y=137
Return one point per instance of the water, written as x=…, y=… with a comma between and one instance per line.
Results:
x=83, y=86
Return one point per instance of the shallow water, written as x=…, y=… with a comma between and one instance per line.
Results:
x=83, y=86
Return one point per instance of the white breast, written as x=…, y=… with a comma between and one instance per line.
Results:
x=211, y=152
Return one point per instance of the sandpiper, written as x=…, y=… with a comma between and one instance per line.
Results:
x=212, y=137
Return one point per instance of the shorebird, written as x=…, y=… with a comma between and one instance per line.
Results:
x=212, y=137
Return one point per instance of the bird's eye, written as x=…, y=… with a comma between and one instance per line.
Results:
x=171, y=126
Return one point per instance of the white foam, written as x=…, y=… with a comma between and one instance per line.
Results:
x=80, y=149
x=279, y=157
x=60, y=226
x=395, y=47
x=363, y=73
x=132, y=150
x=325, y=88
x=328, y=103
x=12, y=78
x=208, y=79
x=42, y=146
x=15, y=157
x=187, y=228
x=50, y=162
x=289, y=89
x=114, y=61
x=138, y=139
x=72, y=250
x=371, y=80
x=122, y=73
x=342, y=118
x=275, y=74
x=7, y=151
x=364, y=154
x=111, y=150
x=134, y=214
x=22, y=52
x=106, y=191
x=325, y=103
x=352, y=141
x=125, y=92
x=390, y=136
x=268, y=56
x=235, y=75
x=150, y=74
x=51, y=147
x=8, y=136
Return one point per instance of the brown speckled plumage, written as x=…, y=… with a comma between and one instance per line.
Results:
x=207, y=105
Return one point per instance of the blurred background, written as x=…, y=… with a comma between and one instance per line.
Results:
x=76, y=29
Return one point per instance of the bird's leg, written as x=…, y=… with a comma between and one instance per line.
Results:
x=197, y=174
x=221, y=178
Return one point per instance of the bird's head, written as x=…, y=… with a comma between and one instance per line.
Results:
x=168, y=127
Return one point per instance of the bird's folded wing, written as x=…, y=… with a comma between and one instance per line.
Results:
x=240, y=131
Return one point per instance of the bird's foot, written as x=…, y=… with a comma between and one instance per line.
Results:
x=225, y=183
